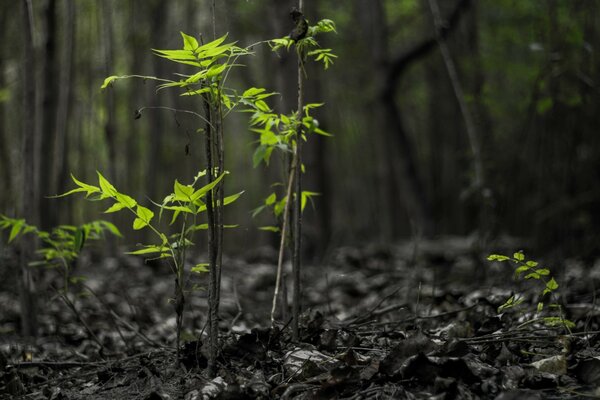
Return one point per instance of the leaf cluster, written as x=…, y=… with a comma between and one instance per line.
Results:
x=529, y=270
x=309, y=45
x=63, y=244
x=186, y=200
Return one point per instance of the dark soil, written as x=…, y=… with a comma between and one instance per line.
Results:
x=410, y=321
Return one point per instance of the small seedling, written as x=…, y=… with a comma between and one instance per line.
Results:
x=185, y=204
x=531, y=271
x=61, y=248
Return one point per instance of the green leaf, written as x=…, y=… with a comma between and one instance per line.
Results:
x=144, y=216
x=183, y=192
x=257, y=211
x=497, y=257
x=216, y=70
x=520, y=270
x=149, y=250
x=279, y=206
x=540, y=306
x=83, y=187
x=200, y=268
x=552, y=284
x=79, y=239
x=271, y=199
x=259, y=155
x=108, y=81
x=16, y=228
x=106, y=187
x=114, y=208
x=533, y=275
x=543, y=271
x=519, y=256
x=125, y=200
x=306, y=196
x=139, y=224
x=531, y=264
x=269, y=228
x=204, y=189
x=189, y=42
x=232, y=198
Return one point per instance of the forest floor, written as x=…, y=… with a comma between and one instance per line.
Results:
x=416, y=320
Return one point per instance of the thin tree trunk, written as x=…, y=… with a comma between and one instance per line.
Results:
x=64, y=99
x=49, y=106
x=479, y=184
x=213, y=323
x=5, y=158
x=153, y=182
x=417, y=202
x=27, y=287
x=297, y=219
x=109, y=125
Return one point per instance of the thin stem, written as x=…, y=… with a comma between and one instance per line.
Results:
x=284, y=228
x=213, y=330
x=296, y=256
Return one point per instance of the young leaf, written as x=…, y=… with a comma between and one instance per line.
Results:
x=189, y=42
x=182, y=192
x=519, y=256
x=149, y=250
x=271, y=199
x=79, y=239
x=200, y=268
x=144, y=216
x=114, y=208
x=204, y=189
x=108, y=81
x=269, y=228
x=107, y=188
x=16, y=228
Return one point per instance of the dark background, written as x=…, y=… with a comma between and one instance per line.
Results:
x=401, y=163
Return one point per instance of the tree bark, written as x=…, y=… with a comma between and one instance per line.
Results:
x=417, y=203
x=60, y=165
x=5, y=157
x=109, y=124
x=48, y=217
x=27, y=287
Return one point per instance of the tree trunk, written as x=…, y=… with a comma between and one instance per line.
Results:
x=27, y=287
x=48, y=209
x=60, y=146
x=416, y=201
x=109, y=124
x=5, y=157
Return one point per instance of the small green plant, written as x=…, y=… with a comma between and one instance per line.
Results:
x=212, y=62
x=61, y=248
x=62, y=245
x=286, y=133
x=185, y=204
x=529, y=270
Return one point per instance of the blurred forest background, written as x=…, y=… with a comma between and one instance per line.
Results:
x=403, y=161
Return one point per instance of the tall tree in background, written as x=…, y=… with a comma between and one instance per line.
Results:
x=65, y=100
x=110, y=130
x=48, y=209
x=27, y=286
x=5, y=159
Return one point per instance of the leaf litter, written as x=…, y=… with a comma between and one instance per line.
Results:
x=381, y=322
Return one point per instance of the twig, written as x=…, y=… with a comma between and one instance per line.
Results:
x=137, y=332
x=296, y=253
x=362, y=318
x=284, y=227
x=57, y=364
x=237, y=303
